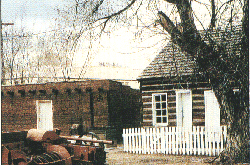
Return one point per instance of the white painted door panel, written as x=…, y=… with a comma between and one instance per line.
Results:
x=44, y=115
x=212, y=111
x=184, y=109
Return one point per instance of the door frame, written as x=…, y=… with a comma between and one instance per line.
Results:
x=212, y=111
x=38, y=112
x=179, y=113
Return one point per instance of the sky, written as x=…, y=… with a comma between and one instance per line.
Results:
x=33, y=14
x=120, y=47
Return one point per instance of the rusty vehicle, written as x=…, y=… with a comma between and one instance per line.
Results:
x=34, y=147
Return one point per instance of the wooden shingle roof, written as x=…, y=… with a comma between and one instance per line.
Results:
x=170, y=62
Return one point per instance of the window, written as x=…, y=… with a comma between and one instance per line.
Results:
x=160, y=114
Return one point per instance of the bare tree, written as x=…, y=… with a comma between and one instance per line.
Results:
x=15, y=54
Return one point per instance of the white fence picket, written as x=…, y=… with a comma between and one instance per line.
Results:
x=162, y=139
x=154, y=139
x=139, y=140
x=199, y=141
x=147, y=141
x=125, y=140
x=203, y=140
x=129, y=139
x=174, y=140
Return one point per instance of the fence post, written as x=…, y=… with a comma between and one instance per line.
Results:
x=148, y=144
x=151, y=140
x=162, y=139
x=195, y=142
x=218, y=141
x=198, y=141
x=190, y=141
x=143, y=136
x=172, y=140
x=139, y=140
x=158, y=140
x=168, y=141
x=136, y=140
x=129, y=140
x=215, y=140
x=183, y=142
x=124, y=140
x=209, y=142
x=154, y=139
x=206, y=141
x=177, y=140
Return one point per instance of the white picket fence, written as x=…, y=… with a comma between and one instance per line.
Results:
x=173, y=140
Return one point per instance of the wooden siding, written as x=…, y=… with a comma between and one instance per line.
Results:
x=198, y=107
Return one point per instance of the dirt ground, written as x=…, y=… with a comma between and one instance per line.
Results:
x=116, y=155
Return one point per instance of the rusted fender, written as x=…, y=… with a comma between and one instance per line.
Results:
x=41, y=135
x=61, y=151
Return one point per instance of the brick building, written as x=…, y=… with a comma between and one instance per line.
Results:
x=104, y=107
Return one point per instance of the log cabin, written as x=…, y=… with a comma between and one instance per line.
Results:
x=175, y=93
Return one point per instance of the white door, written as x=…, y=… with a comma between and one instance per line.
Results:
x=184, y=109
x=44, y=115
x=212, y=111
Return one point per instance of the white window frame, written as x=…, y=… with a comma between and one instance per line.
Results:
x=160, y=109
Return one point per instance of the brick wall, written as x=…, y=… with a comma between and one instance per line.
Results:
x=95, y=101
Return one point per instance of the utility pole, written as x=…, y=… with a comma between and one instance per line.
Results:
x=1, y=47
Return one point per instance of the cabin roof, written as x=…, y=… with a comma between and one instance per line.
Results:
x=172, y=62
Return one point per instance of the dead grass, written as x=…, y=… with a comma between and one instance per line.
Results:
x=116, y=155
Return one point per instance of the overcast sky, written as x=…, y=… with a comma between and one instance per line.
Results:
x=33, y=14
x=119, y=48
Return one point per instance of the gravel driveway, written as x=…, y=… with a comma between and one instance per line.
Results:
x=116, y=155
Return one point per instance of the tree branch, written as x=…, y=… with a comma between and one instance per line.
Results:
x=97, y=7
x=119, y=12
x=173, y=1
x=213, y=17
x=169, y=26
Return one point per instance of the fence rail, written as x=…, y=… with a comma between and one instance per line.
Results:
x=174, y=140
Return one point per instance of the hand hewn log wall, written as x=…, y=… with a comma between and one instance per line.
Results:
x=151, y=86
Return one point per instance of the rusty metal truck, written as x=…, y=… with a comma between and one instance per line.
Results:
x=34, y=147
